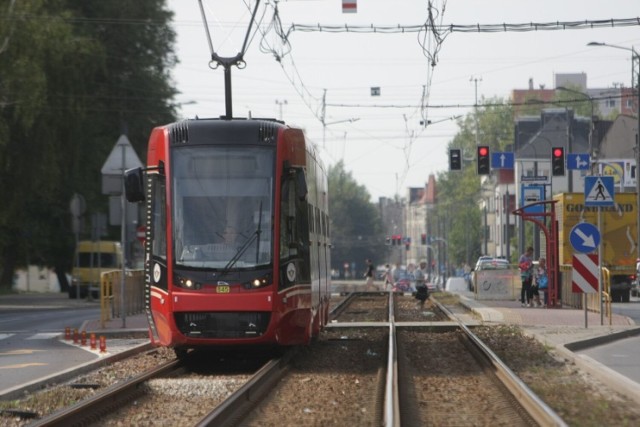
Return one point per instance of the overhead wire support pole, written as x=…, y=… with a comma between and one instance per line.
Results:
x=227, y=62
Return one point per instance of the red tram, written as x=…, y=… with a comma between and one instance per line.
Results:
x=237, y=250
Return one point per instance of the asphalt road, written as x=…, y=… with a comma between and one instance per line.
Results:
x=620, y=355
x=630, y=309
x=30, y=329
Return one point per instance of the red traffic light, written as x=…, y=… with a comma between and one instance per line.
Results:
x=483, y=151
x=558, y=152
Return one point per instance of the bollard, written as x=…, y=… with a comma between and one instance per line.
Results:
x=103, y=344
x=83, y=338
x=92, y=341
x=67, y=333
x=75, y=336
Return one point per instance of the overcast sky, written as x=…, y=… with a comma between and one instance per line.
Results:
x=380, y=137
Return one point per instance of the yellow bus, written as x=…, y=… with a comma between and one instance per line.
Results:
x=91, y=259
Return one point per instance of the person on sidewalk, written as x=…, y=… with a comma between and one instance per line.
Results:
x=542, y=280
x=525, y=263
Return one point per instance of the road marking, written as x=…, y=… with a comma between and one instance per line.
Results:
x=4, y=336
x=23, y=365
x=22, y=351
x=44, y=336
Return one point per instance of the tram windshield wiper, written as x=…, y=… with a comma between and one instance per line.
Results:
x=245, y=246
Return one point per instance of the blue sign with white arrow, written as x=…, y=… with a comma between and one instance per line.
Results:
x=584, y=237
x=579, y=161
x=504, y=160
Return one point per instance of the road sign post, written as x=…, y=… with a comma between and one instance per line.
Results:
x=585, y=278
x=599, y=191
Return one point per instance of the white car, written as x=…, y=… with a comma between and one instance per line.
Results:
x=488, y=264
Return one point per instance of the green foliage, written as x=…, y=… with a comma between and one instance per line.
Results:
x=356, y=229
x=458, y=217
x=73, y=77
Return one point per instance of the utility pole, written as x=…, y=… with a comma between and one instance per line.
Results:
x=280, y=104
x=323, y=116
x=475, y=80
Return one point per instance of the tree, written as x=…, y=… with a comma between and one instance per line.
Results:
x=356, y=228
x=457, y=214
x=73, y=76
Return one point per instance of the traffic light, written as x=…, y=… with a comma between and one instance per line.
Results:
x=455, y=159
x=557, y=161
x=484, y=163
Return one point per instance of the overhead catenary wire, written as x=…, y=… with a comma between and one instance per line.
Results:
x=488, y=104
x=468, y=28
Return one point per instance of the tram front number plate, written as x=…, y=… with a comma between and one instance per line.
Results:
x=222, y=289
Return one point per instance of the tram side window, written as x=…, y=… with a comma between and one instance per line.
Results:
x=294, y=226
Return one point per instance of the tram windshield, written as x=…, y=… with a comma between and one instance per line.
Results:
x=222, y=206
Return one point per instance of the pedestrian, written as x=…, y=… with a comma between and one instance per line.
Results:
x=411, y=270
x=542, y=280
x=388, y=278
x=422, y=292
x=525, y=263
x=368, y=275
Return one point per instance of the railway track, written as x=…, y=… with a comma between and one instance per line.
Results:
x=402, y=374
x=166, y=386
x=94, y=408
x=381, y=361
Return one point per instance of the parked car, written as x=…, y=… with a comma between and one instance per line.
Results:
x=488, y=263
x=470, y=276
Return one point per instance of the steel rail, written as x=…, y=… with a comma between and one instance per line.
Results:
x=392, y=398
x=537, y=409
x=249, y=395
x=86, y=410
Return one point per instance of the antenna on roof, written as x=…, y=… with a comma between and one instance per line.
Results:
x=227, y=62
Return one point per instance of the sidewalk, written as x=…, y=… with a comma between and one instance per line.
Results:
x=554, y=326
x=133, y=324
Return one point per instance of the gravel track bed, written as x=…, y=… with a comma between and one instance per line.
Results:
x=366, y=308
x=335, y=382
x=449, y=386
x=172, y=402
x=408, y=310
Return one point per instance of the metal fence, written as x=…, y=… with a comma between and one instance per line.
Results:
x=110, y=302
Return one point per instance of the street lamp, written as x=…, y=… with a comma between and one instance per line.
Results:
x=634, y=56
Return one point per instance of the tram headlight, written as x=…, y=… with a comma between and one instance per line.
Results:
x=187, y=283
x=258, y=282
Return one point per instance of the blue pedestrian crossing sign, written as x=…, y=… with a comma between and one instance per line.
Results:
x=584, y=237
x=579, y=161
x=598, y=191
x=502, y=160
